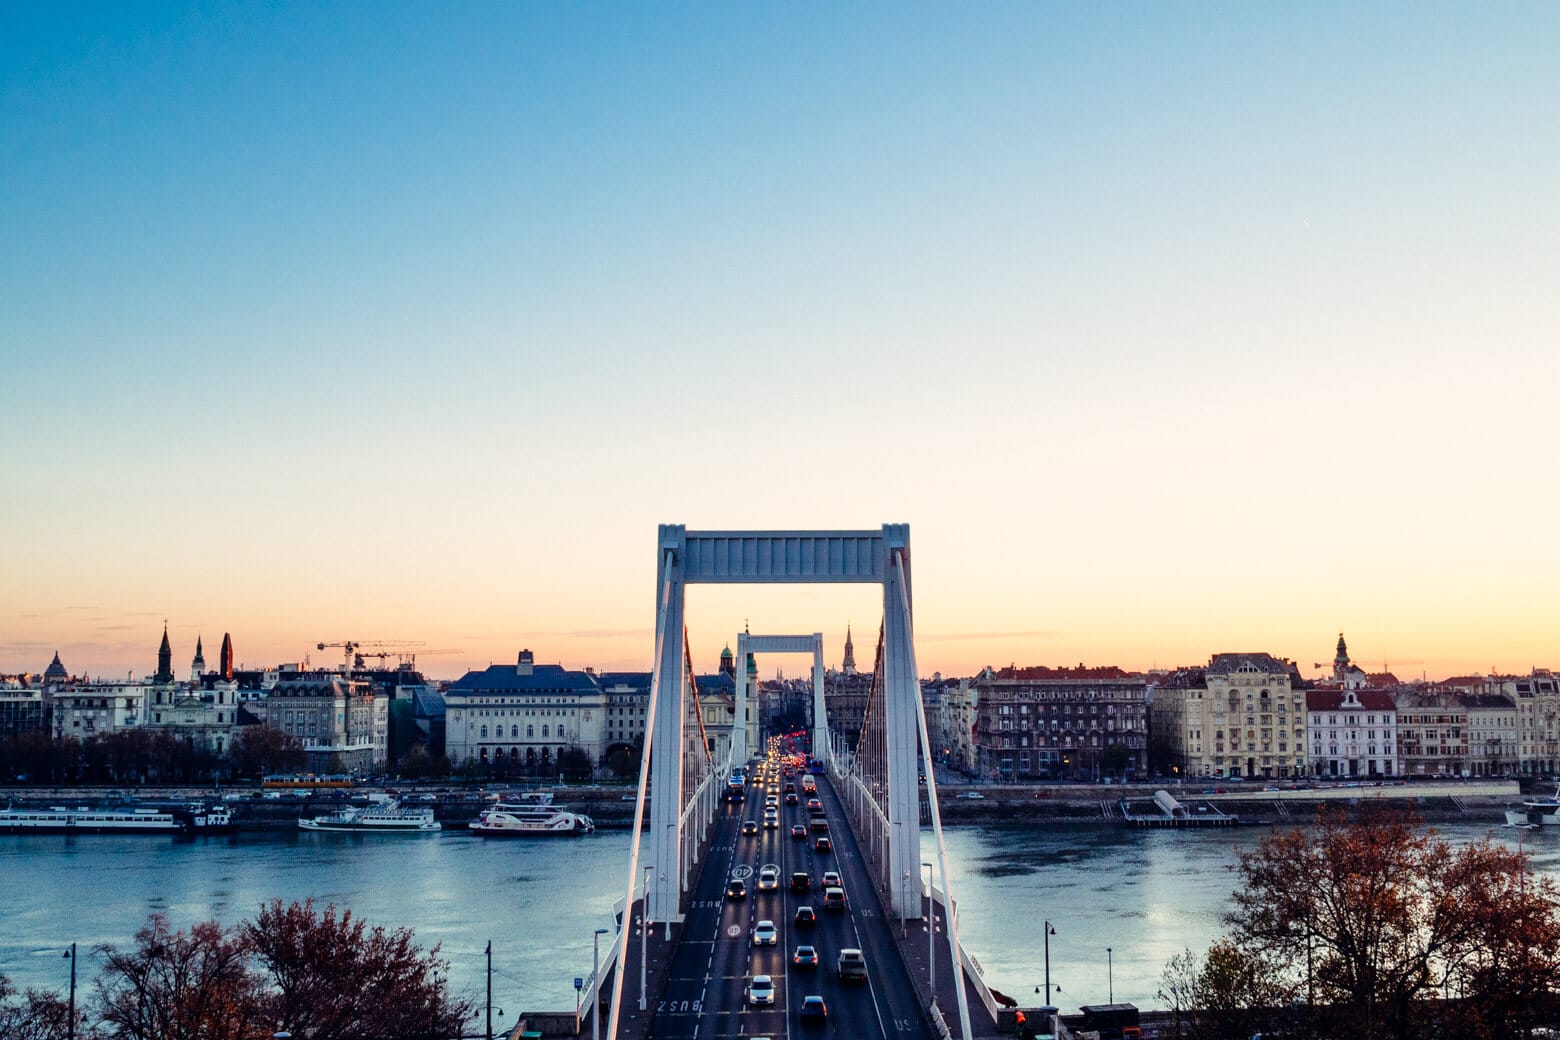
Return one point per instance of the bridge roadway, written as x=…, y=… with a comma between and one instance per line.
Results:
x=705, y=992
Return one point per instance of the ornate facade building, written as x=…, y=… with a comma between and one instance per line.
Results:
x=342, y=723
x=1353, y=733
x=1060, y=723
x=526, y=713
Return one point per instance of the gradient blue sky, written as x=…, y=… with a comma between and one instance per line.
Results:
x=1170, y=328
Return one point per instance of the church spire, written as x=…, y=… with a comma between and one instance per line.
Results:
x=225, y=664
x=164, y=659
x=849, y=664
x=198, y=666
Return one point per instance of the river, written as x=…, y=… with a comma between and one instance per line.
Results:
x=1146, y=895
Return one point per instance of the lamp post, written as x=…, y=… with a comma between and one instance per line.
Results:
x=931, y=929
x=1049, y=931
x=490, y=990
x=595, y=984
x=644, y=937
x=1110, y=977
x=70, y=955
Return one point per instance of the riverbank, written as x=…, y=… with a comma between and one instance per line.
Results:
x=612, y=807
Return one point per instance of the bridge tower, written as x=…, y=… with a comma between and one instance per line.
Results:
x=812, y=644
x=779, y=557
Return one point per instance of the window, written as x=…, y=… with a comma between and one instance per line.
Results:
x=484, y=732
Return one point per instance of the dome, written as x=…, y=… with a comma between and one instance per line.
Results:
x=55, y=669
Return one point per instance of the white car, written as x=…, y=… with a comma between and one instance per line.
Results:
x=972, y=795
x=761, y=990
x=769, y=879
x=765, y=934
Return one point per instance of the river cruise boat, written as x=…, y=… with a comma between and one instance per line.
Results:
x=388, y=818
x=1540, y=811
x=195, y=818
x=534, y=815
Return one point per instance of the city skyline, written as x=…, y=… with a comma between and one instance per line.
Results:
x=1169, y=329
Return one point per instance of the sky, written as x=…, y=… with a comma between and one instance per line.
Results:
x=1169, y=328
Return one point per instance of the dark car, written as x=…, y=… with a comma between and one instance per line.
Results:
x=805, y=917
x=736, y=890
x=790, y=799
x=749, y=827
x=801, y=882
x=820, y=825
x=823, y=844
x=814, y=1009
x=805, y=957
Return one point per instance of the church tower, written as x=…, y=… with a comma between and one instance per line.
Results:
x=728, y=662
x=198, y=666
x=164, y=660
x=849, y=664
x=225, y=659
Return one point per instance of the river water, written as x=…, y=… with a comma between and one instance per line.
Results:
x=1146, y=895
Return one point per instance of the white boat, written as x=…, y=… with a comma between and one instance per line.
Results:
x=389, y=818
x=534, y=815
x=195, y=817
x=1543, y=811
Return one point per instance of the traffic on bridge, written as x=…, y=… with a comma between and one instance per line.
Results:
x=785, y=935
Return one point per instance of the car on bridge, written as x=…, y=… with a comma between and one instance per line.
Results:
x=765, y=934
x=737, y=889
x=801, y=882
x=771, y=822
x=769, y=879
x=820, y=825
x=805, y=957
x=799, y=832
x=823, y=844
x=761, y=990
x=852, y=966
x=791, y=799
x=750, y=827
x=834, y=899
x=831, y=879
x=813, y=1009
x=815, y=807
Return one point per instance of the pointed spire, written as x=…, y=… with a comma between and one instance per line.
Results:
x=225, y=664
x=164, y=659
x=848, y=666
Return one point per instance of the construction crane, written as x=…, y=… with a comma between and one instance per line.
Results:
x=407, y=658
x=350, y=648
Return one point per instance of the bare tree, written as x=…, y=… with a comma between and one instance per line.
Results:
x=38, y=1015
x=1386, y=922
x=175, y=985
x=335, y=978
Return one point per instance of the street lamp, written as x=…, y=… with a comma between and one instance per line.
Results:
x=490, y=990
x=595, y=984
x=644, y=936
x=1110, y=977
x=931, y=928
x=1049, y=930
x=70, y=955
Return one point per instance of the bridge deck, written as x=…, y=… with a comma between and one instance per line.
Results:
x=703, y=974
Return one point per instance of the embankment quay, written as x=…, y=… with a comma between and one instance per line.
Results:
x=612, y=807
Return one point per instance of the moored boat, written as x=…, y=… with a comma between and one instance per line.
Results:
x=1543, y=811
x=390, y=818
x=534, y=815
x=194, y=817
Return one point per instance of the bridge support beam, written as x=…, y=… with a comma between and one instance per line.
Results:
x=666, y=743
x=902, y=707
